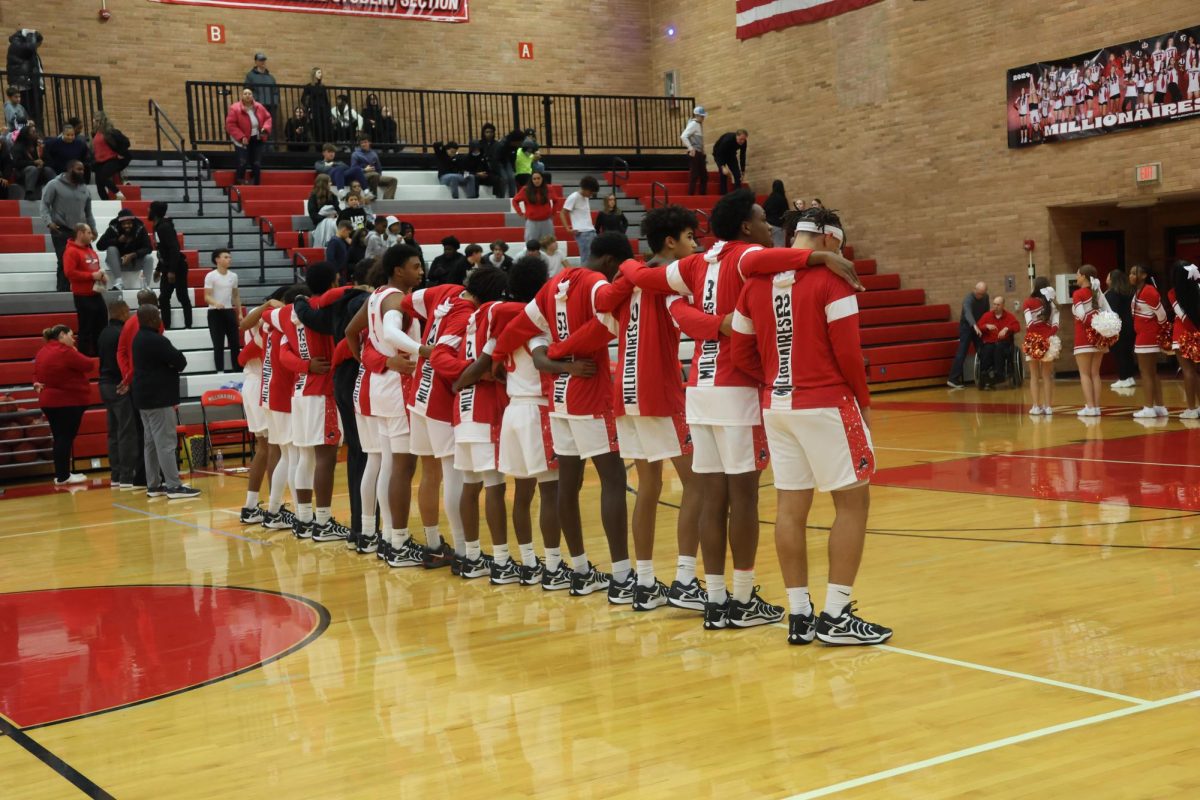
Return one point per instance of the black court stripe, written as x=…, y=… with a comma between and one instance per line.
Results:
x=69, y=773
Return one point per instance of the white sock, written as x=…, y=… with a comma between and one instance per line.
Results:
x=400, y=536
x=323, y=515
x=743, y=584
x=433, y=537
x=528, y=557
x=620, y=571
x=251, y=499
x=500, y=554
x=304, y=512
x=645, y=573
x=472, y=549
x=366, y=523
x=837, y=597
x=452, y=488
x=685, y=569
x=279, y=480
x=716, y=589
x=580, y=564
x=553, y=558
x=799, y=601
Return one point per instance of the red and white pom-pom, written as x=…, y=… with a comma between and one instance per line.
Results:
x=1189, y=345
x=1034, y=346
x=1165, y=342
x=1053, y=349
x=1103, y=329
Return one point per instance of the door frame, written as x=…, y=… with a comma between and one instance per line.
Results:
x=1101, y=236
x=1170, y=234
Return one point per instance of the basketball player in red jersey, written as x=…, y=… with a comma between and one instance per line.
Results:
x=278, y=385
x=799, y=330
x=581, y=412
x=250, y=358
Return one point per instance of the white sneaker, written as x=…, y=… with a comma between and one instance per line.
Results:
x=74, y=477
x=1161, y=411
x=119, y=196
x=1035, y=411
x=1048, y=411
x=1086, y=411
x=1146, y=413
x=1094, y=412
x=1191, y=413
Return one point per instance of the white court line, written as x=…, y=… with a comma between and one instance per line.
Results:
x=1025, y=455
x=993, y=745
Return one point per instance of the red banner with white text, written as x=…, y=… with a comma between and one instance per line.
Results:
x=428, y=10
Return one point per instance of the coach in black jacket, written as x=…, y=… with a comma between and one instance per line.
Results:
x=157, y=365
x=730, y=154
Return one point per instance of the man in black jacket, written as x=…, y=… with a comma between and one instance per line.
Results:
x=157, y=365
x=126, y=247
x=172, y=269
x=730, y=154
x=23, y=68
x=446, y=266
x=124, y=451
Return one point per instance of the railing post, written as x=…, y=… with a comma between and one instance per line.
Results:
x=262, y=258
x=229, y=208
x=158, y=135
x=516, y=117
x=579, y=122
x=637, y=128
x=424, y=132
x=548, y=124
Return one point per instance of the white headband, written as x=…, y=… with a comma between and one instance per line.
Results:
x=804, y=226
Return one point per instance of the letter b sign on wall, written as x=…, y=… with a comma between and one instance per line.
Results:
x=215, y=34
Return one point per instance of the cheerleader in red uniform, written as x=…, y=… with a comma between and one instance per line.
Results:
x=1185, y=299
x=1085, y=304
x=1041, y=345
x=1149, y=320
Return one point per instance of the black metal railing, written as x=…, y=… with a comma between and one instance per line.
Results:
x=655, y=186
x=58, y=98
x=619, y=170
x=164, y=129
x=416, y=118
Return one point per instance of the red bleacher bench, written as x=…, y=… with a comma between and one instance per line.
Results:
x=224, y=177
x=13, y=226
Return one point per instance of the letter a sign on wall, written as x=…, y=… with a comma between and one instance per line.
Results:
x=431, y=10
x=525, y=50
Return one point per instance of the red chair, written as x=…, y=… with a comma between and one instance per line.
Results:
x=225, y=431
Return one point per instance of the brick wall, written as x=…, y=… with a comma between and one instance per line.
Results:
x=150, y=49
x=894, y=114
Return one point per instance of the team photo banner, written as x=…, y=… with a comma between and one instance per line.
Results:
x=428, y=10
x=1124, y=86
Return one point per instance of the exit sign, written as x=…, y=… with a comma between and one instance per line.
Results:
x=1146, y=174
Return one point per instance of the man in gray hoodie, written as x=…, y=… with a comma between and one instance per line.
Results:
x=66, y=203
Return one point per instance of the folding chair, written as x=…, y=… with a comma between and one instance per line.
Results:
x=227, y=431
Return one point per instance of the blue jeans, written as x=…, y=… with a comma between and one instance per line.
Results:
x=454, y=182
x=342, y=175
x=966, y=338
x=250, y=155
x=584, y=240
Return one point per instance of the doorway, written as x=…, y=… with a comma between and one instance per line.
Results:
x=1104, y=250
x=1184, y=242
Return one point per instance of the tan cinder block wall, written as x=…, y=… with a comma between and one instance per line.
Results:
x=150, y=49
x=895, y=115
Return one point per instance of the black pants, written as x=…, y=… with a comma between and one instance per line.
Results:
x=92, y=312
x=250, y=156
x=736, y=169
x=356, y=460
x=179, y=288
x=697, y=174
x=60, y=246
x=124, y=450
x=966, y=338
x=223, y=329
x=64, y=425
x=105, y=172
x=994, y=360
x=1127, y=366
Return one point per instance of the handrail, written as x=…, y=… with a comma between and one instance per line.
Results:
x=262, y=253
x=654, y=186
x=233, y=190
x=155, y=110
x=618, y=163
x=705, y=222
x=297, y=256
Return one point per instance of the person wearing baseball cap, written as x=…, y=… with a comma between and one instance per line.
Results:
x=260, y=81
x=693, y=139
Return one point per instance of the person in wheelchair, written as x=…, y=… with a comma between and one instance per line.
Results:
x=998, y=330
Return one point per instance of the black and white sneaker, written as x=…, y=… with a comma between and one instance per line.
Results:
x=531, y=576
x=438, y=557
x=287, y=514
x=156, y=491
x=506, y=573
x=850, y=629
x=687, y=595
x=590, y=581
x=367, y=544
x=716, y=615
x=802, y=628
x=554, y=580
x=471, y=568
x=384, y=551
x=301, y=529
x=408, y=554
x=352, y=540
x=329, y=532
x=753, y=612
x=251, y=516
x=648, y=598
x=182, y=493
x=621, y=594
x=275, y=521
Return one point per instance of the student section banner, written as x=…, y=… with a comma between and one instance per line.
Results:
x=1136, y=84
x=429, y=10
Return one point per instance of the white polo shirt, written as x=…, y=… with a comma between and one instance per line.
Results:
x=581, y=212
x=221, y=286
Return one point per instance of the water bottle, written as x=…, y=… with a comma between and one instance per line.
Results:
x=220, y=461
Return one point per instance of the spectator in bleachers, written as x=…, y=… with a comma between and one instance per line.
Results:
x=372, y=116
x=28, y=164
x=126, y=247
x=368, y=161
x=23, y=68
x=498, y=257
x=323, y=208
x=248, y=124
x=610, y=217
x=157, y=365
x=347, y=124
x=358, y=251
x=576, y=215
x=365, y=198
x=172, y=269
x=6, y=171
x=66, y=203
x=729, y=153
x=224, y=309
x=477, y=166
x=452, y=169
x=61, y=372
x=408, y=236
x=124, y=455
x=337, y=250
x=533, y=248
x=378, y=238
x=537, y=202
x=81, y=265
x=110, y=156
x=354, y=212
x=693, y=140
x=262, y=83
x=61, y=150
x=499, y=162
x=297, y=133
x=15, y=114
x=526, y=161
x=554, y=254
x=449, y=264
x=339, y=173
x=315, y=99
x=775, y=206
x=387, y=132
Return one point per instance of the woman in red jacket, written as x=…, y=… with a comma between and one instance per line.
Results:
x=81, y=266
x=536, y=202
x=61, y=373
x=248, y=124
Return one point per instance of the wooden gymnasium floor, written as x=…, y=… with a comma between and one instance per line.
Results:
x=1041, y=577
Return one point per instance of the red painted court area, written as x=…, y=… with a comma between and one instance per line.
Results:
x=67, y=653
x=1152, y=471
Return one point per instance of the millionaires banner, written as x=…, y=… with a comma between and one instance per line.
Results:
x=1132, y=85
x=430, y=10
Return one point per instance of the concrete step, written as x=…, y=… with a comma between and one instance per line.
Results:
x=176, y=194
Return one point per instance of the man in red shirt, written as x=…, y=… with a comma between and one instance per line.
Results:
x=798, y=332
x=998, y=329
